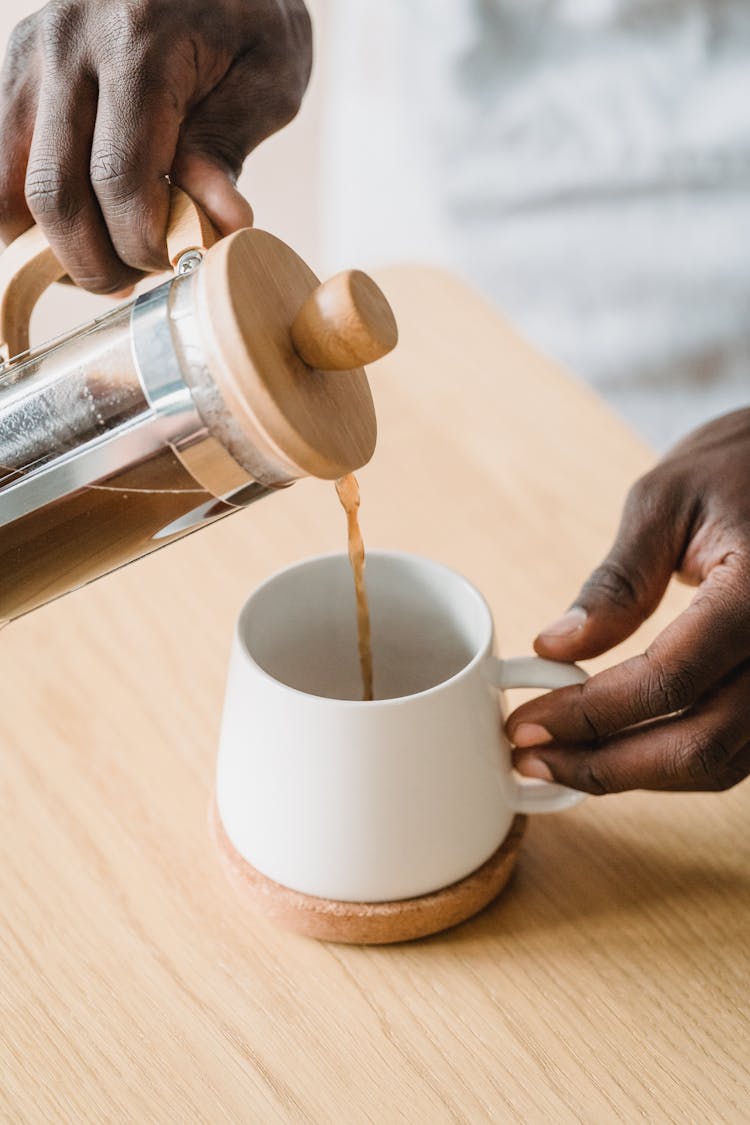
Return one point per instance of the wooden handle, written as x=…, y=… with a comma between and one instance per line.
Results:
x=29, y=266
x=344, y=324
x=189, y=227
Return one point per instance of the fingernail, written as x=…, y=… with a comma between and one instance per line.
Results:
x=531, y=734
x=528, y=766
x=566, y=625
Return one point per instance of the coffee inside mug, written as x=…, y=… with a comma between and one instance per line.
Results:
x=300, y=627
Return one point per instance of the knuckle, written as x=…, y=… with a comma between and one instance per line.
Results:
x=59, y=26
x=725, y=603
x=302, y=31
x=114, y=172
x=667, y=689
x=612, y=581
x=649, y=497
x=299, y=17
x=285, y=103
x=21, y=41
x=209, y=141
x=19, y=76
x=592, y=777
x=126, y=23
x=287, y=64
x=301, y=45
x=276, y=101
x=594, y=715
x=704, y=758
x=51, y=196
x=284, y=27
x=131, y=61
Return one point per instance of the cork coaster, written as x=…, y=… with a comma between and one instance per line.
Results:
x=368, y=923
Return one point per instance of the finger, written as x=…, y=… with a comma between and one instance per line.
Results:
x=627, y=587
x=255, y=98
x=700, y=750
x=738, y=769
x=133, y=150
x=58, y=190
x=214, y=190
x=699, y=648
x=18, y=106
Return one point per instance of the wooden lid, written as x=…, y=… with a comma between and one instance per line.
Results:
x=313, y=422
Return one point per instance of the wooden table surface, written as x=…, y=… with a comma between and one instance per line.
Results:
x=610, y=981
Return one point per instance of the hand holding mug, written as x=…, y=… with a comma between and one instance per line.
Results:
x=677, y=716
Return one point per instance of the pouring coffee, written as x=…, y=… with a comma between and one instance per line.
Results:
x=236, y=377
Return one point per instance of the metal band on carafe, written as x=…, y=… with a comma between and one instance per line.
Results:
x=176, y=417
x=166, y=418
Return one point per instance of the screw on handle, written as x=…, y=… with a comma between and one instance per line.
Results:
x=29, y=266
x=189, y=229
x=344, y=324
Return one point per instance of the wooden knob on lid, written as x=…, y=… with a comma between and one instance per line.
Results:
x=344, y=324
x=300, y=416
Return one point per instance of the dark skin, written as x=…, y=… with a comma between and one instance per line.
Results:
x=103, y=99
x=678, y=715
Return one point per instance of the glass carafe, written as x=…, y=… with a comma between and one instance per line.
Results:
x=235, y=377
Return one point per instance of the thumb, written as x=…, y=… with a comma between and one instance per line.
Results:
x=629, y=584
x=213, y=188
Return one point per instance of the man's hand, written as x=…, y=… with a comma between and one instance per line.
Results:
x=102, y=99
x=677, y=716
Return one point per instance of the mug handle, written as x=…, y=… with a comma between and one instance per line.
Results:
x=536, y=796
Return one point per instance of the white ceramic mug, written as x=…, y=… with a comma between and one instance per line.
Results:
x=370, y=802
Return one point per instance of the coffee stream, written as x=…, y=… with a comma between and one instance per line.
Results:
x=348, y=493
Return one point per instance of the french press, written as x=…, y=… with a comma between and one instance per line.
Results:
x=234, y=378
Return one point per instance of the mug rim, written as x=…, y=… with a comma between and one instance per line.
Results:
x=480, y=654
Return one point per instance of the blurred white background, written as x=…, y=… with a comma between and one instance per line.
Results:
x=585, y=163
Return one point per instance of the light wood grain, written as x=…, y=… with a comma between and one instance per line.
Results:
x=345, y=323
x=367, y=923
x=27, y=267
x=189, y=227
x=608, y=983
x=304, y=421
